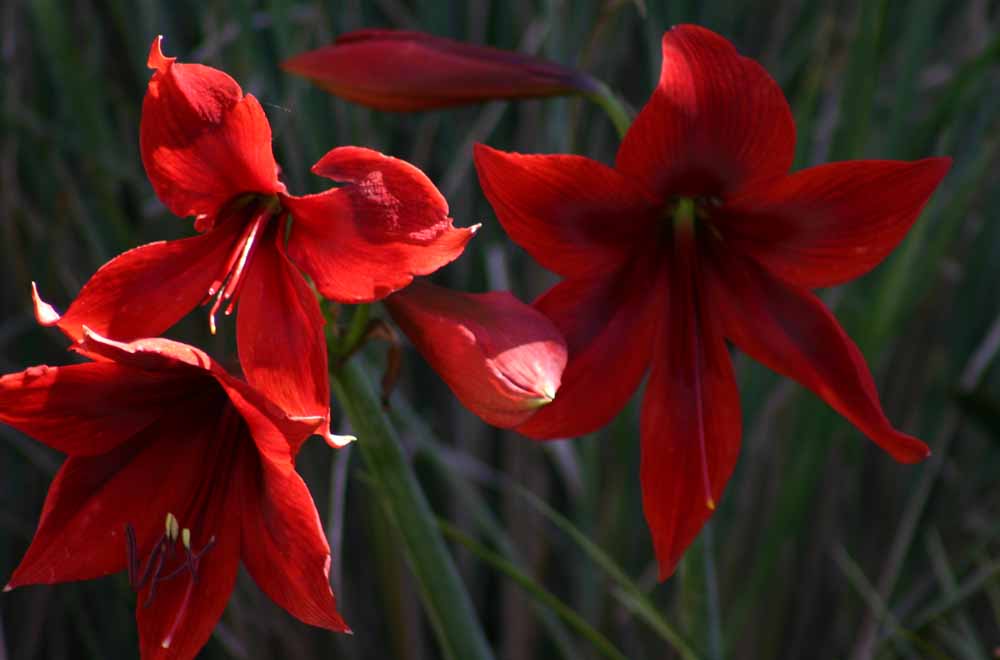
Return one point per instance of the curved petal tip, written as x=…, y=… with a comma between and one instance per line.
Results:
x=45, y=313
x=8, y=588
x=338, y=441
x=157, y=60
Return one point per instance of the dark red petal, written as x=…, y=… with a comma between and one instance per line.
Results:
x=608, y=323
x=399, y=70
x=572, y=214
x=716, y=122
x=203, y=142
x=363, y=241
x=284, y=546
x=177, y=624
x=829, y=224
x=81, y=531
x=789, y=330
x=87, y=409
x=690, y=416
x=501, y=358
x=144, y=291
x=156, y=354
x=279, y=331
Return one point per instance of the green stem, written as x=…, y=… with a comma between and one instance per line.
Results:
x=613, y=107
x=355, y=331
x=447, y=604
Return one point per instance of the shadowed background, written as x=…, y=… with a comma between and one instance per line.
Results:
x=822, y=546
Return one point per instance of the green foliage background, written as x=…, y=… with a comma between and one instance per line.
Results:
x=822, y=547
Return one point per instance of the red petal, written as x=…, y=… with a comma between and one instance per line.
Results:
x=690, y=416
x=398, y=70
x=176, y=624
x=285, y=549
x=282, y=344
x=87, y=409
x=369, y=238
x=716, y=121
x=572, y=214
x=81, y=531
x=609, y=328
x=789, y=330
x=829, y=224
x=203, y=142
x=144, y=291
x=501, y=358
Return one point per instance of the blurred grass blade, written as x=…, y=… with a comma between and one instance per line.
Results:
x=446, y=602
x=533, y=589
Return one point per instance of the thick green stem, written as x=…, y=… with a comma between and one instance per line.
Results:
x=612, y=106
x=447, y=604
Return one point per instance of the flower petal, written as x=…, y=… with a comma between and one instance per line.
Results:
x=81, y=531
x=363, y=241
x=142, y=292
x=203, y=142
x=715, y=123
x=87, y=409
x=609, y=327
x=789, y=330
x=280, y=335
x=572, y=214
x=284, y=548
x=183, y=613
x=501, y=358
x=829, y=224
x=400, y=70
x=690, y=419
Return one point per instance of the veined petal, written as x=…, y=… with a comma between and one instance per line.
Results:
x=81, y=531
x=572, y=214
x=284, y=547
x=501, y=358
x=280, y=335
x=788, y=329
x=609, y=326
x=142, y=292
x=690, y=419
x=202, y=141
x=87, y=409
x=829, y=224
x=401, y=70
x=716, y=122
x=363, y=241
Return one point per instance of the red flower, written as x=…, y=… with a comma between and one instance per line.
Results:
x=501, y=358
x=399, y=70
x=176, y=472
x=207, y=150
x=698, y=235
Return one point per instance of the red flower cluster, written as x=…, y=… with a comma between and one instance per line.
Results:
x=699, y=235
x=178, y=471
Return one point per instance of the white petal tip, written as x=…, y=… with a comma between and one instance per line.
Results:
x=45, y=313
x=338, y=441
x=8, y=588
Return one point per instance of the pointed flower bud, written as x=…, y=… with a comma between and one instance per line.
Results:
x=501, y=358
x=406, y=71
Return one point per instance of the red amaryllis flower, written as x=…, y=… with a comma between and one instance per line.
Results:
x=405, y=71
x=176, y=472
x=501, y=358
x=698, y=235
x=207, y=150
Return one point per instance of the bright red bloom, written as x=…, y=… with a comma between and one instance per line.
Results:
x=207, y=150
x=158, y=433
x=405, y=71
x=502, y=359
x=698, y=235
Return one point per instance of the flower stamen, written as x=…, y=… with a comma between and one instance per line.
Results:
x=228, y=285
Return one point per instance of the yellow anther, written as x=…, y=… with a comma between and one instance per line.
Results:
x=172, y=527
x=186, y=538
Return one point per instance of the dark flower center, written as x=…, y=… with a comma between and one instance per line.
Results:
x=165, y=563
